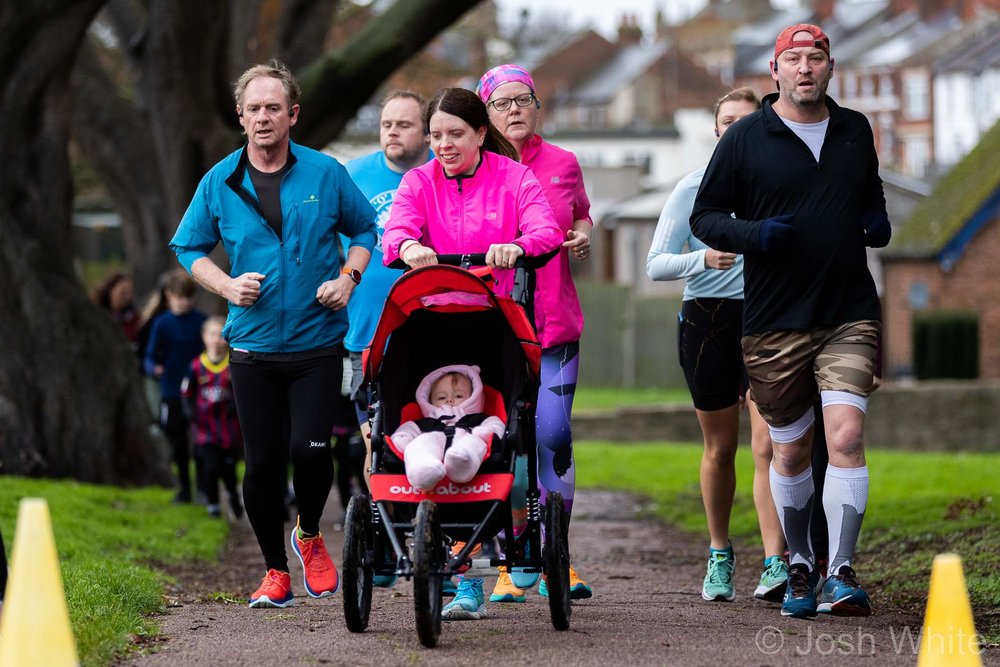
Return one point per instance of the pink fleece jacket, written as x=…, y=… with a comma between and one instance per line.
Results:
x=501, y=203
x=558, y=314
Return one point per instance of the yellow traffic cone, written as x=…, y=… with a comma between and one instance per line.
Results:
x=34, y=625
x=949, y=636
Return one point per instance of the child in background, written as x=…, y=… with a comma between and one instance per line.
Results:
x=174, y=340
x=451, y=401
x=208, y=395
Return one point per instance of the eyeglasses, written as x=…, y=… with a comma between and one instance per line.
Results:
x=503, y=103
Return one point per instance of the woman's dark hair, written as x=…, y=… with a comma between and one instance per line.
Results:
x=102, y=295
x=466, y=105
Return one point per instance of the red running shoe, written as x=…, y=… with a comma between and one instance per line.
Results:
x=275, y=591
x=318, y=572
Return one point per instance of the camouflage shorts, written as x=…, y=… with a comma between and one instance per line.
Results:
x=788, y=369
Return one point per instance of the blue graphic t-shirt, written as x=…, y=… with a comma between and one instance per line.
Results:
x=379, y=183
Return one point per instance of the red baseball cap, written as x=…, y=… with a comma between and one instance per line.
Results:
x=785, y=41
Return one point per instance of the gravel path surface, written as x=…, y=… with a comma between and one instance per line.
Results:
x=647, y=610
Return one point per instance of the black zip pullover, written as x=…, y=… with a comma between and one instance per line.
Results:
x=761, y=169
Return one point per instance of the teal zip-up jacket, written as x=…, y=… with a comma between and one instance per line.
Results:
x=318, y=201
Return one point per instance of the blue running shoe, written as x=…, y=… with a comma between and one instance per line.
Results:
x=718, y=584
x=469, y=603
x=800, y=594
x=843, y=596
x=773, y=580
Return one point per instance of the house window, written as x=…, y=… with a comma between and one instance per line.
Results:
x=850, y=86
x=868, y=86
x=916, y=95
x=885, y=86
x=917, y=157
x=886, y=143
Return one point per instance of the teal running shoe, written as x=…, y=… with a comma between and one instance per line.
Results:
x=718, y=584
x=800, y=593
x=773, y=580
x=843, y=596
x=524, y=580
x=578, y=588
x=383, y=580
x=469, y=603
x=520, y=578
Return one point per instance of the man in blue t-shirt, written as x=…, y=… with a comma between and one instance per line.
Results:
x=405, y=145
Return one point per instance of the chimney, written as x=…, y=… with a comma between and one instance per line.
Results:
x=930, y=8
x=822, y=10
x=661, y=26
x=629, y=31
x=897, y=7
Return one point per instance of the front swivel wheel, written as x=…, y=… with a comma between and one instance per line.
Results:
x=556, y=559
x=428, y=562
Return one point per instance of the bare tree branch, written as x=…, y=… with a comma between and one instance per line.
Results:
x=336, y=85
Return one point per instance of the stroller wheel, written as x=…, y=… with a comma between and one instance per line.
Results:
x=358, y=571
x=556, y=559
x=428, y=561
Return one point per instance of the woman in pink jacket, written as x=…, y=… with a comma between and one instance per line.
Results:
x=509, y=94
x=472, y=198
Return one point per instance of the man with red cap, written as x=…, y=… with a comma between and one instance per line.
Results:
x=795, y=188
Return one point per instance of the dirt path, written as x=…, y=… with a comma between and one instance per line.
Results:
x=647, y=610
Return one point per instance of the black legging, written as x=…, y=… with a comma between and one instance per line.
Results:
x=265, y=392
x=220, y=466
x=174, y=424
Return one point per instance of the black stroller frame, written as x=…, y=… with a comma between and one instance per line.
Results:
x=409, y=533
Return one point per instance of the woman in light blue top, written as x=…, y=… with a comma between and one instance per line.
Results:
x=712, y=359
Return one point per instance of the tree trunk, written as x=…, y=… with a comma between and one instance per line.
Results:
x=71, y=403
x=151, y=111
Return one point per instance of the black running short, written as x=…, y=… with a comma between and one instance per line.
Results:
x=708, y=343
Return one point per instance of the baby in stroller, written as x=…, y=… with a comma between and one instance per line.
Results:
x=451, y=402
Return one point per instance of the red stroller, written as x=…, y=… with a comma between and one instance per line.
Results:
x=496, y=334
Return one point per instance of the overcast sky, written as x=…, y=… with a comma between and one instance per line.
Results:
x=604, y=15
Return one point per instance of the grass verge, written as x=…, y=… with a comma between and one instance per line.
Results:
x=920, y=504
x=611, y=398
x=105, y=538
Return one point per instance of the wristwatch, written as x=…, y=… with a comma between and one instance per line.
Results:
x=353, y=273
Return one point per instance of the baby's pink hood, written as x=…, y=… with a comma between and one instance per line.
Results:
x=469, y=406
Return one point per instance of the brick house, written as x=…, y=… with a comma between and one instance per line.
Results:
x=945, y=258
x=885, y=52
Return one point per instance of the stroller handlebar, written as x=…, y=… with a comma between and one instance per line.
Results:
x=479, y=259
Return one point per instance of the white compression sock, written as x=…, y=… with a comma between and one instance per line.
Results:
x=793, y=498
x=845, y=497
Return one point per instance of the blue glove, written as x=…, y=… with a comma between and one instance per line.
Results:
x=776, y=234
x=877, y=229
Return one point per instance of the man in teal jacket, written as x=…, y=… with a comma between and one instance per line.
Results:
x=278, y=209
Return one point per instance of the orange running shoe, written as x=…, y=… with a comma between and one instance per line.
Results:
x=275, y=591
x=319, y=575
